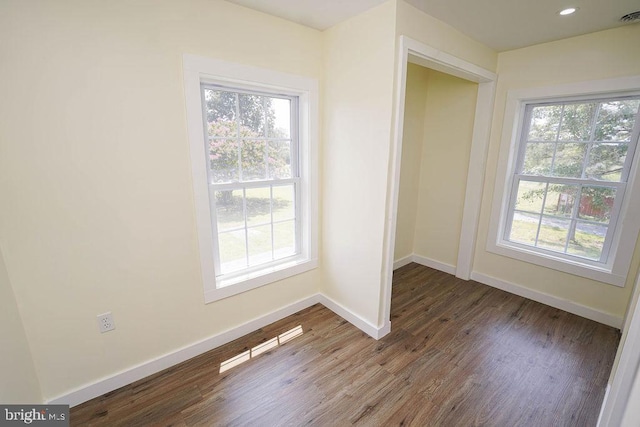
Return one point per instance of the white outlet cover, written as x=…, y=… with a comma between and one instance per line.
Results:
x=105, y=322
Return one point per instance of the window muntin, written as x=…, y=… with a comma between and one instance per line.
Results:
x=254, y=178
x=573, y=163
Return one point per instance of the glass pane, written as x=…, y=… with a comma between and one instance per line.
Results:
x=544, y=123
x=221, y=113
x=259, y=244
x=524, y=228
x=596, y=203
x=576, y=122
x=229, y=209
x=560, y=199
x=232, y=251
x=253, y=160
x=284, y=202
x=606, y=161
x=615, y=120
x=588, y=240
x=284, y=239
x=569, y=160
x=252, y=115
x=279, y=159
x=279, y=118
x=553, y=233
x=223, y=156
x=538, y=158
x=530, y=196
x=258, y=206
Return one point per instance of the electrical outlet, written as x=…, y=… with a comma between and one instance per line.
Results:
x=105, y=322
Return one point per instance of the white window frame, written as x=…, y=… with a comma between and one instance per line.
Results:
x=614, y=271
x=198, y=70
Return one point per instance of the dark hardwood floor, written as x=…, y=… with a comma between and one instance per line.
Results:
x=459, y=354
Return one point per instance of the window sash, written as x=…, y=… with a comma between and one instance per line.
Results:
x=574, y=219
x=245, y=186
x=294, y=116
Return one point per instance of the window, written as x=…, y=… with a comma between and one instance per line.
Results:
x=568, y=187
x=252, y=151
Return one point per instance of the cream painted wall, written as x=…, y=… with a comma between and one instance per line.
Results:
x=448, y=129
x=358, y=90
x=426, y=29
x=18, y=381
x=412, y=141
x=97, y=201
x=601, y=55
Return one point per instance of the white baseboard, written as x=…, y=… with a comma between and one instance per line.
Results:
x=123, y=378
x=427, y=262
x=402, y=262
x=551, y=300
x=168, y=360
x=357, y=321
x=158, y=364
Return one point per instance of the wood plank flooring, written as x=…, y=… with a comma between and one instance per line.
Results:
x=459, y=354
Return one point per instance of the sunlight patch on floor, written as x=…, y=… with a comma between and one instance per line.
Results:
x=261, y=348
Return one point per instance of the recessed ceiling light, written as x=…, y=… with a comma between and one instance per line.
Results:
x=567, y=11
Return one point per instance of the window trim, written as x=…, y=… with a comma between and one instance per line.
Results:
x=615, y=271
x=198, y=70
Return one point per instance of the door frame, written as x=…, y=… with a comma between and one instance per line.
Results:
x=413, y=51
x=616, y=398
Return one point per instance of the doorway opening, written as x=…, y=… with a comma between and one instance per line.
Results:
x=417, y=64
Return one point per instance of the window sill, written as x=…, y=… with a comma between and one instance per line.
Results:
x=599, y=273
x=238, y=284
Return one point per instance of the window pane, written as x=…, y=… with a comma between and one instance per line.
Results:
x=606, y=161
x=221, y=113
x=279, y=159
x=279, y=115
x=258, y=206
x=588, y=240
x=538, y=158
x=253, y=160
x=530, y=196
x=553, y=233
x=283, y=202
x=596, y=203
x=259, y=244
x=229, y=209
x=223, y=156
x=560, y=200
x=576, y=122
x=569, y=160
x=615, y=120
x=524, y=228
x=284, y=239
x=232, y=248
x=252, y=115
x=544, y=123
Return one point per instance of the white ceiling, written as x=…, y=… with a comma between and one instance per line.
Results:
x=499, y=24
x=318, y=14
